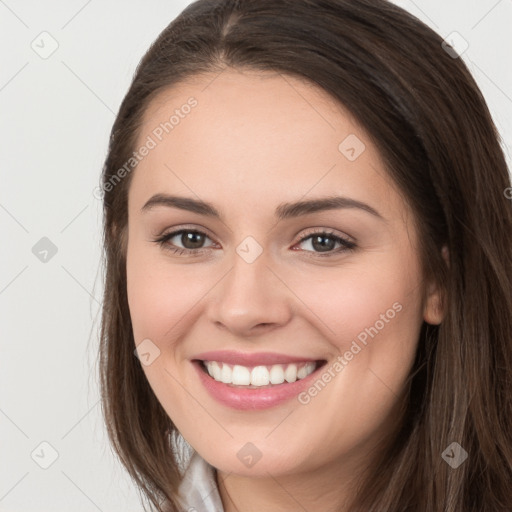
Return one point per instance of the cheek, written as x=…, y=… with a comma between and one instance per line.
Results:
x=163, y=297
x=373, y=300
x=371, y=318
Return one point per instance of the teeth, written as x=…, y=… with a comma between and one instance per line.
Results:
x=302, y=372
x=258, y=376
x=240, y=375
x=215, y=371
x=290, y=374
x=225, y=375
x=276, y=374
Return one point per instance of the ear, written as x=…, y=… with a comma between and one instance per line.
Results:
x=433, y=312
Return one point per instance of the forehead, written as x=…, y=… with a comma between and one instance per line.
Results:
x=257, y=134
x=230, y=87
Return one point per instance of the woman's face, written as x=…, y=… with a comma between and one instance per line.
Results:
x=265, y=278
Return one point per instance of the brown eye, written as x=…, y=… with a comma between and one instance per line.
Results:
x=191, y=239
x=325, y=242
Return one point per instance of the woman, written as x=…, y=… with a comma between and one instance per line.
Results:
x=308, y=251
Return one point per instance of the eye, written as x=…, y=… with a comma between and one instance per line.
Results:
x=193, y=239
x=325, y=241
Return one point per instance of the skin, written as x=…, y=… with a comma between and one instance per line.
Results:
x=254, y=141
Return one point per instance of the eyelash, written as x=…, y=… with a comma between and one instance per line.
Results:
x=347, y=245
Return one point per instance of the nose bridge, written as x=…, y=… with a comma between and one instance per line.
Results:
x=250, y=294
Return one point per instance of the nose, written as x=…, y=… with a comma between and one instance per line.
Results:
x=250, y=299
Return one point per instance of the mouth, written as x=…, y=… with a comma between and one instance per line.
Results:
x=259, y=376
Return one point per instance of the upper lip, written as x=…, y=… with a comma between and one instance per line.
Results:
x=250, y=359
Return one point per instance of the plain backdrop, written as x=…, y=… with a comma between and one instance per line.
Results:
x=56, y=112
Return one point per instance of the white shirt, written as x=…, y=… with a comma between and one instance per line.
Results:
x=198, y=488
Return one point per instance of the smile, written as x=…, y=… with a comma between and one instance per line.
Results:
x=232, y=385
x=258, y=376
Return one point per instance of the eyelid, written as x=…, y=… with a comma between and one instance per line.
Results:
x=185, y=227
x=329, y=231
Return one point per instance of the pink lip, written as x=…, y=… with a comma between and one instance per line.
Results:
x=253, y=398
x=248, y=359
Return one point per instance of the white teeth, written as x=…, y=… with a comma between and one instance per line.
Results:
x=276, y=374
x=305, y=370
x=225, y=375
x=290, y=374
x=213, y=366
x=241, y=376
x=259, y=375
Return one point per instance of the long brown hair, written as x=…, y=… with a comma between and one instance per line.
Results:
x=427, y=117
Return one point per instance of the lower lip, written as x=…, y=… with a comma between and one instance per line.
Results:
x=253, y=398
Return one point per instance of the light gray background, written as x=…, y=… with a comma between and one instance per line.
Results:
x=55, y=118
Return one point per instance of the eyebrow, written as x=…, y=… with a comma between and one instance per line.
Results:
x=283, y=211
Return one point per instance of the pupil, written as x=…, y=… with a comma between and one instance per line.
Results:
x=322, y=246
x=194, y=238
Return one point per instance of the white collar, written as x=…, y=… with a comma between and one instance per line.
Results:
x=198, y=488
